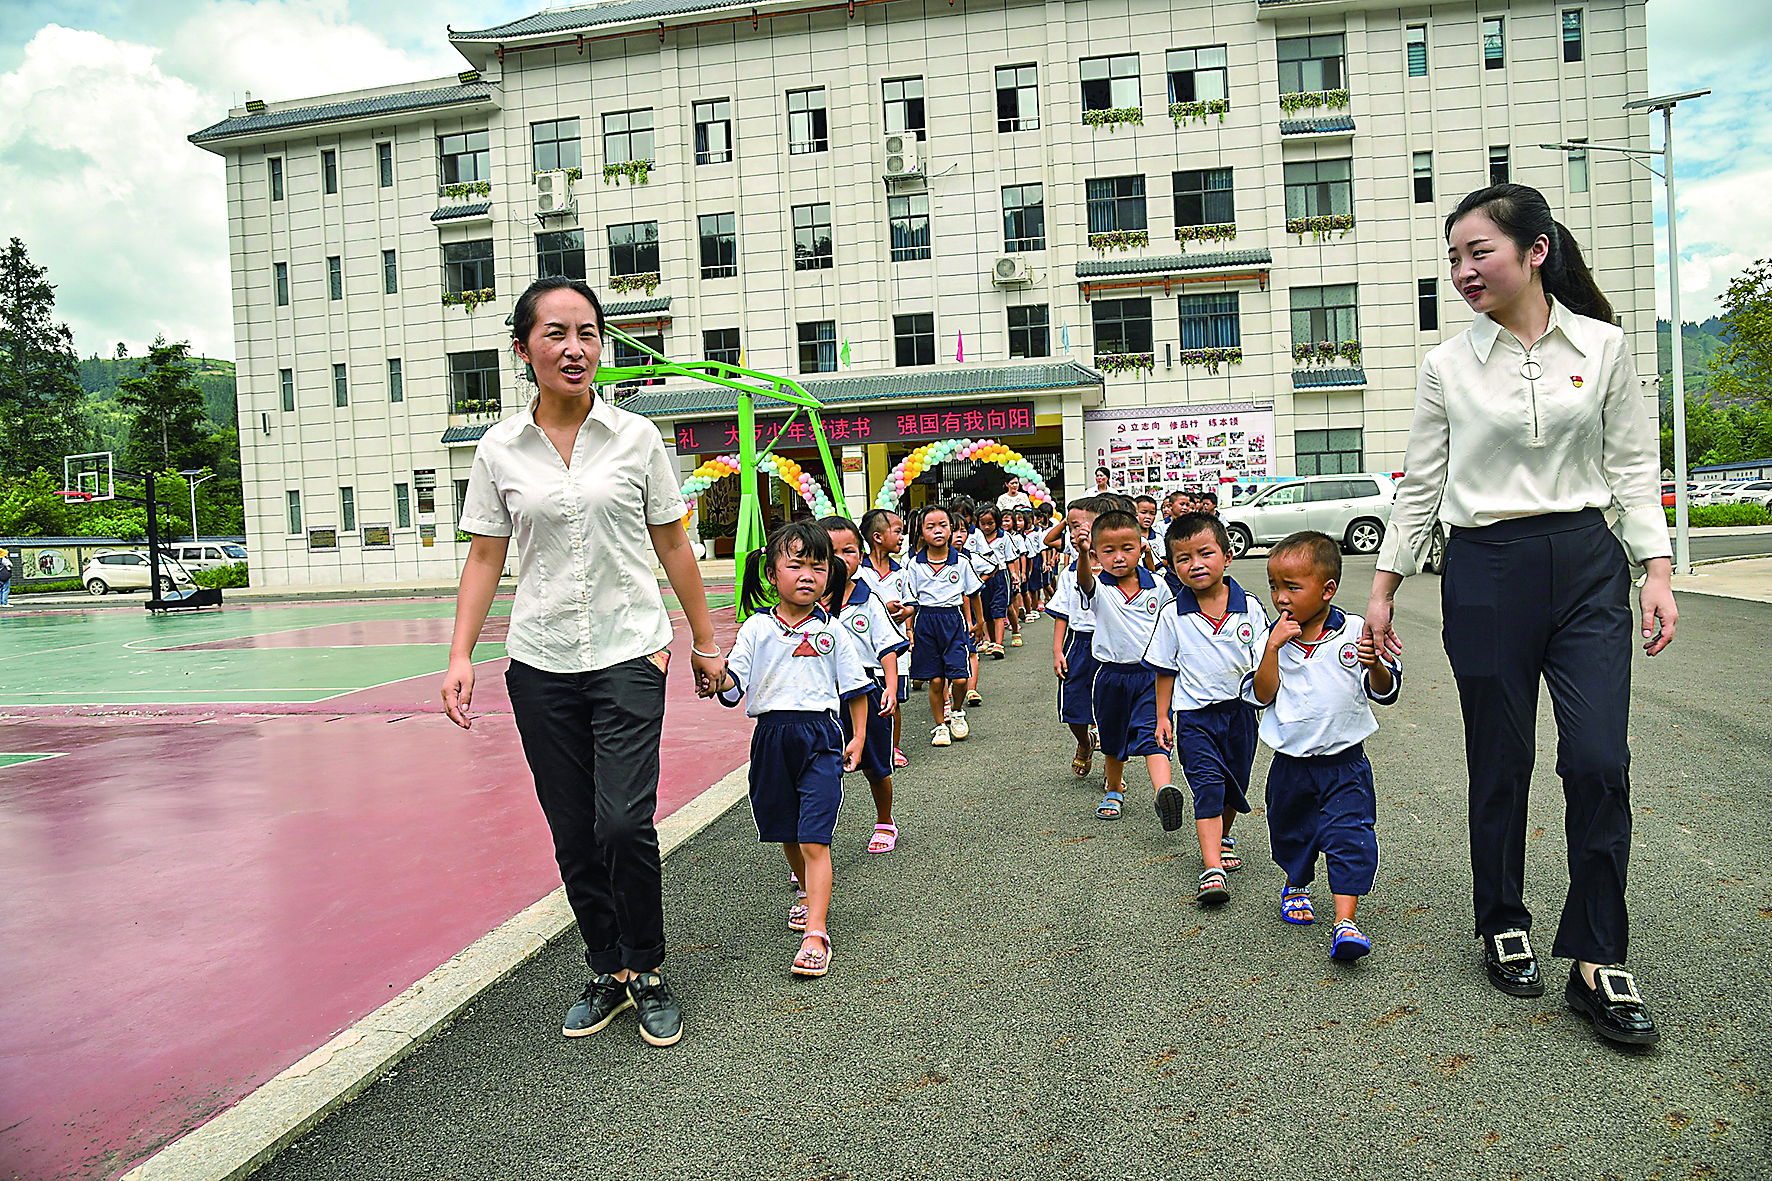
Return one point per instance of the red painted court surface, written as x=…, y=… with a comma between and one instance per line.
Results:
x=257, y=828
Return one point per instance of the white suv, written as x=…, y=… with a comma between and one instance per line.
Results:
x=208, y=554
x=1351, y=508
x=128, y=570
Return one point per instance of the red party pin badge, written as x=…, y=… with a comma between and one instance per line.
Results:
x=1575, y=380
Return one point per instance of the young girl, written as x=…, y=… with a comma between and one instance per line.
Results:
x=998, y=586
x=939, y=582
x=966, y=540
x=883, y=530
x=797, y=669
x=1018, y=544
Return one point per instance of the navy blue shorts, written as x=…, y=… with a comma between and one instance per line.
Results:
x=796, y=777
x=1076, y=700
x=1215, y=746
x=996, y=596
x=1324, y=804
x=1036, y=578
x=876, y=748
x=943, y=645
x=1126, y=710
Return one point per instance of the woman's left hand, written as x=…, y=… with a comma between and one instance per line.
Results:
x=1659, y=610
x=710, y=673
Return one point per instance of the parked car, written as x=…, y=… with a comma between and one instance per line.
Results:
x=207, y=555
x=1352, y=508
x=1667, y=494
x=1753, y=492
x=111, y=570
x=1717, y=493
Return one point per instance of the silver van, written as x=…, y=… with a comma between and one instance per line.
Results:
x=1352, y=508
x=206, y=555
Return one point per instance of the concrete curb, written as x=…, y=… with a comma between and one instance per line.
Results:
x=261, y=1125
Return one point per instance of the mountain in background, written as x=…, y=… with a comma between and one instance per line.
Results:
x=99, y=377
x=1698, y=343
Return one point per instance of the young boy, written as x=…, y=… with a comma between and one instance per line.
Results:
x=1125, y=600
x=1147, y=520
x=1073, y=635
x=1315, y=677
x=1201, y=652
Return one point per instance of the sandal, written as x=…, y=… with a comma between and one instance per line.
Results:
x=1109, y=808
x=797, y=913
x=810, y=961
x=1349, y=943
x=1227, y=855
x=1081, y=764
x=898, y=759
x=1295, y=905
x=1213, y=891
x=1094, y=738
x=1171, y=807
x=885, y=838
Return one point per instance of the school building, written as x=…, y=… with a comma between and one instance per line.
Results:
x=1193, y=243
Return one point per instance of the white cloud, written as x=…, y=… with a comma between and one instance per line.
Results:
x=1723, y=228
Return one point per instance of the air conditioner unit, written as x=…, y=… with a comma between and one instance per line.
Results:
x=553, y=193
x=902, y=155
x=1012, y=270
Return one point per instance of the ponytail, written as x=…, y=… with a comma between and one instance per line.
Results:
x=1566, y=277
x=1522, y=213
x=754, y=592
x=805, y=537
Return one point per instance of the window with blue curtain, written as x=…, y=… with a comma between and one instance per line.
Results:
x=1116, y=203
x=1210, y=321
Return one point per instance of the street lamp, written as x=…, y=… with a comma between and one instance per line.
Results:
x=201, y=476
x=1665, y=103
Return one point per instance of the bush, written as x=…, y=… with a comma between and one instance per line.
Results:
x=1715, y=516
x=60, y=586
x=222, y=577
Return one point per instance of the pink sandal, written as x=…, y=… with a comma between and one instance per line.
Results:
x=811, y=961
x=885, y=838
x=797, y=913
x=898, y=759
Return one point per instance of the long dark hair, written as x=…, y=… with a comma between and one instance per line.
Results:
x=807, y=538
x=1522, y=213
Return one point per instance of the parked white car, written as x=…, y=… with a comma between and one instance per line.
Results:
x=111, y=570
x=1717, y=493
x=1352, y=508
x=1753, y=492
x=207, y=555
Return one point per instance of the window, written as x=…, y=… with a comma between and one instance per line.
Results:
x=1110, y=82
x=461, y=498
x=1196, y=75
x=293, y=499
x=555, y=145
x=1203, y=197
x=807, y=129
x=473, y=388
x=1424, y=178
x=720, y=344
x=1122, y=326
x=1310, y=63
x=910, y=226
x=633, y=248
x=1415, y=50
x=1494, y=48
x=913, y=338
x=904, y=106
x=560, y=252
x=1210, y=321
x=812, y=237
x=1578, y=169
x=274, y=166
x=713, y=131
x=390, y=273
x=464, y=158
x=347, y=508
x=627, y=135
x=1018, y=98
x=627, y=355
x=818, y=346
x=1324, y=313
x=402, y=506
x=1317, y=188
x=286, y=388
x=467, y=266
x=335, y=276
x=719, y=245
x=329, y=170
x=341, y=385
x=1115, y=203
x=1030, y=331
x=281, y=271
x=384, y=165
x=396, y=380
x=1427, y=304
x=1498, y=165
x=1024, y=218
x=1328, y=453
x=1572, y=34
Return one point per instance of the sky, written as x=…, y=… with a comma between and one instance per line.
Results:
x=97, y=97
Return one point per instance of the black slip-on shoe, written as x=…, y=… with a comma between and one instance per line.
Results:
x=603, y=998
x=1512, y=967
x=661, y=1017
x=1614, y=1006
x=1171, y=807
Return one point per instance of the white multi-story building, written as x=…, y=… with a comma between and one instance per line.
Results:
x=1191, y=242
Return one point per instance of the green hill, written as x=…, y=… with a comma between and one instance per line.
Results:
x=1698, y=344
x=99, y=377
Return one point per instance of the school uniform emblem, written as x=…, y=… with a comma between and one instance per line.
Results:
x=1349, y=656
x=824, y=642
x=1150, y=608
x=1575, y=380
x=953, y=576
x=860, y=624
x=1245, y=631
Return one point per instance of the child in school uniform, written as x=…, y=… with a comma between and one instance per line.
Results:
x=1073, y=634
x=1315, y=680
x=940, y=583
x=998, y=581
x=884, y=573
x=1033, y=558
x=1155, y=559
x=795, y=668
x=1201, y=652
x=965, y=539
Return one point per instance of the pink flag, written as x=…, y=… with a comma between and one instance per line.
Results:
x=960, y=347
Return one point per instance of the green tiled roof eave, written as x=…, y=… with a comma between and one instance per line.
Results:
x=1172, y=264
x=840, y=391
x=355, y=108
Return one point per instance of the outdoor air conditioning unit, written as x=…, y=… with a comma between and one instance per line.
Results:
x=553, y=193
x=1012, y=270
x=902, y=155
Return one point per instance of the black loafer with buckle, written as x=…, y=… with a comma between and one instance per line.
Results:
x=1614, y=1006
x=1512, y=966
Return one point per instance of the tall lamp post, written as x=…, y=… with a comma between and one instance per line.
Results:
x=200, y=476
x=1665, y=103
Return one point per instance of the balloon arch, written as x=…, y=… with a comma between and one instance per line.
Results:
x=783, y=468
x=950, y=450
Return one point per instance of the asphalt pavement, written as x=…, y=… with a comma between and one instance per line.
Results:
x=1023, y=990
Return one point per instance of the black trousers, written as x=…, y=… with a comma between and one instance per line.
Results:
x=1545, y=596
x=591, y=739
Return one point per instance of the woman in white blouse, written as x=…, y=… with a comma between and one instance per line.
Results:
x=1530, y=427
x=590, y=495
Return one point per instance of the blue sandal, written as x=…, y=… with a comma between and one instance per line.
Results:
x=1109, y=808
x=1349, y=943
x=1295, y=905
x=1227, y=855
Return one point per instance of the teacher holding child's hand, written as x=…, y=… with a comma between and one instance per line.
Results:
x=1529, y=427
x=590, y=495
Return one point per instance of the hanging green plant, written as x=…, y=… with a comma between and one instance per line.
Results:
x=1186, y=112
x=1320, y=227
x=462, y=192
x=1326, y=351
x=1303, y=352
x=468, y=299
x=1218, y=233
x=1212, y=358
x=635, y=170
x=1334, y=100
x=1112, y=117
x=1350, y=352
x=1125, y=362
x=572, y=174
x=1119, y=240
x=647, y=282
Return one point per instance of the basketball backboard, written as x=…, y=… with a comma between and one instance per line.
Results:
x=92, y=473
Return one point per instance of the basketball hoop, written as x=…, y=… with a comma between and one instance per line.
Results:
x=73, y=494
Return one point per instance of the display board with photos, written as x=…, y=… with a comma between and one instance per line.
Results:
x=1162, y=449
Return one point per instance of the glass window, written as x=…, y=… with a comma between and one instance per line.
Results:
x=1116, y=203
x=1415, y=50
x=1572, y=34
x=280, y=271
x=274, y=166
x=396, y=380
x=1024, y=217
x=1578, y=169
x=1427, y=304
x=347, y=508
x=720, y=344
x=807, y=129
x=560, y=252
x=1310, y=64
x=1424, y=178
x=812, y=238
x=293, y=499
x=719, y=245
x=818, y=346
x=464, y=158
x=1494, y=47
x=713, y=131
x=904, y=106
x=335, y=276
x=461, y=498
x=384, y=165
x=633, y=248
x=286, y=388
x=627, y=135
x=1325, y=314
x=1327, y=453
x=329, y=170
x=555, y=145
x=473, y=388
x=1498, y=170
x=910, y=226
x=1196, y=75
x=1018, y=98
x=1316, y=188
x=467, y=266
x=1122, y=326
x=390, y=273
x=1110, y=82
x=1030, y=331
x=1204, y=197
x=402, y=506
x=627, y=355
x=341, y=385
x=1210, y=321
x=913, y=338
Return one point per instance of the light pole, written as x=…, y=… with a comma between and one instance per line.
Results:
x=201, y=476
x=1665, y=103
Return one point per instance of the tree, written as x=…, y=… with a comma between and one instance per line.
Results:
x=29, y=506
x=168, y=428
x=122, y=350
x=41, y=411
x=1743, y=366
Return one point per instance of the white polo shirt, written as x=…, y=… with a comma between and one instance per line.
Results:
x=982, y=556
x=810, y=666
x=865, y=620
x=889, y=586
x=1126, y=613
x=1322, y=705
x=586, y=595
x=1208, y=657
x=1066, y=603
x=929, y=585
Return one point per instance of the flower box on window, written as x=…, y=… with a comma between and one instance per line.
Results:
x=635, y=170
x=1119, y=240
x=462, y=192
x=1334, y=100
x=1112, y=117
x=1218, y=233
x=468, y=299
x=1187, y=112
x=1212, y=358
x=1321, y=226
x=1125, y=362
x=572, y=174
x=647, y=282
